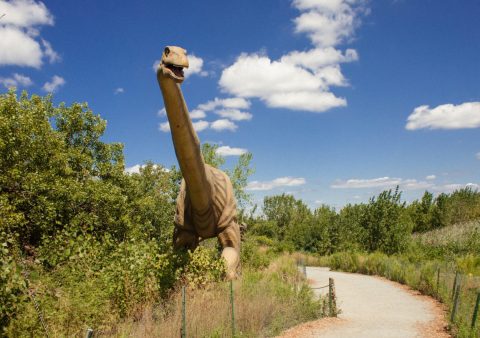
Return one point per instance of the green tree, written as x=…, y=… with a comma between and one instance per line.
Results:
x=421, y=212
x=285, y=211
x=352, y=234
x=387, y=225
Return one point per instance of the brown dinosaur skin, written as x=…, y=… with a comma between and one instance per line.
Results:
x=205, y=205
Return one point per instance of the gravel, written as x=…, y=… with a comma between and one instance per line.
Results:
x=373, y=307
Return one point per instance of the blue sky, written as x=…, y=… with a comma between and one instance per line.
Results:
x=336, y=99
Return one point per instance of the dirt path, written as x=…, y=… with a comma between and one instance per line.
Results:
x=372, y=307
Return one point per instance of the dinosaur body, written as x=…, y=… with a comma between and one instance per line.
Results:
x=206, y=205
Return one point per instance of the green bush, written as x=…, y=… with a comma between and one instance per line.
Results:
x=137, y=273
x=13, y=286
x=251, y=255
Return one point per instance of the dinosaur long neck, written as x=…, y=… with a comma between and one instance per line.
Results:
x=186, y=144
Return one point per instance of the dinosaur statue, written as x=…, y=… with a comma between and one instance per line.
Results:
x=206, y=204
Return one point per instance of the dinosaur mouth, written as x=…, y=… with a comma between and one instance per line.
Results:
x=176, y=70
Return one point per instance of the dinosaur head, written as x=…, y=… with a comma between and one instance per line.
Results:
x=174, y=59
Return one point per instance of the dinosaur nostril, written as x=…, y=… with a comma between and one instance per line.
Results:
x=166, y=51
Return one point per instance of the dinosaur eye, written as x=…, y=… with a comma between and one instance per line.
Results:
x=166, y=51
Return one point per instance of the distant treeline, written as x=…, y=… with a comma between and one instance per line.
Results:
x=384, y=224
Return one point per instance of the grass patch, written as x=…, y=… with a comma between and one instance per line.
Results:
x=451, y=241
x=266, y=303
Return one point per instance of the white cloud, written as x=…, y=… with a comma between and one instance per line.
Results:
x=317, y=58
x=278, y=182
x=381, y=182
x=18, y=48
x=278, y=84
x=198, y=126
x=155, y=65
x=232, y=103
x=474, y=186
x=477, y=155
x=446, y=116
x=301, y=80
x=229, y=151
x=16, y=80
x=19, y=44
x=223, y=124
x=327, y=24
x=52, y=86
x=228, y=108
x=308, y=101
x=197, y=114
x=201, y=125
x=135, y=169
x=162, y=112
x=49, y=52
x=165, y=127
x=412, y=184
x=119, y=90
x=255, y=75
x=430, y=177
x=25, y=13
x=195, y=64
x=455, y=186
x=234, y=114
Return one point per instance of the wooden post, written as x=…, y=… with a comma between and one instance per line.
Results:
x=332, y=303
x=475, y=311
x=455, y=282
x=438, y=279
x=233, y=308
x=455, y=303
x=183, y=331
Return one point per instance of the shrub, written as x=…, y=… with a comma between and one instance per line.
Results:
x=137, y=273
x=13, y=286
x=204, y=266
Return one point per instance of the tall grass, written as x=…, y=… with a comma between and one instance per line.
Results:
x=433, y=278
x=450, y=241
x=266, y=303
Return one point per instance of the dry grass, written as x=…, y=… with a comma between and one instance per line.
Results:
x=265, y=303
x=453, y=233
x=306, y=259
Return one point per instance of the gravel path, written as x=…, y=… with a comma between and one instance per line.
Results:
x=372, y=307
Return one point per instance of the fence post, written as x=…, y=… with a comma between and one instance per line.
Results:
x=332, y=304
x=183, y=331
x=455, y=302
x=475, y=311
x=233, y=308
x=89, y=333
x=438, y=279
x=455, y=282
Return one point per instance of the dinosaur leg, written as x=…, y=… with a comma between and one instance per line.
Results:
x=185, y=239
x=229, y=239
